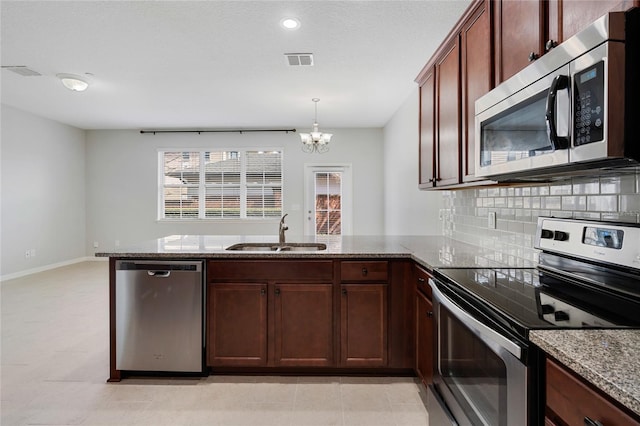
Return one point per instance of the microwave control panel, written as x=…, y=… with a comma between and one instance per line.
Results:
x=588, y=120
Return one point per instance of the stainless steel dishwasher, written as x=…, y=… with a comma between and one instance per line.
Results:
x=159, y=316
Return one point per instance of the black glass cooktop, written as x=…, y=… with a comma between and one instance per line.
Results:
x=530, y=298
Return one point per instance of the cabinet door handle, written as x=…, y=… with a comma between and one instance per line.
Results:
x=421, y=280
x=263, y=292
x=550, y=44
x=430, y=314
x=533, y=56
x=277, y=292
x=344, y=291
x=590, y=422
x=364, y=272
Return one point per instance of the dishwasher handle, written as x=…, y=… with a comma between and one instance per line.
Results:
x=159, y=274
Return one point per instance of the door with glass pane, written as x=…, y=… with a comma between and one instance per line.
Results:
x=328, y=211
x=328, y=201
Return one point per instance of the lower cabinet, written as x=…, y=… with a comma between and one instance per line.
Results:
x=424, y=338
x=363, y=328
x=303, y=322
x=571, y=401
x=237, y=325
x=310, y=313
x=424, y=327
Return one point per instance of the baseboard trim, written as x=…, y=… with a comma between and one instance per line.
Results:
x=31, y=271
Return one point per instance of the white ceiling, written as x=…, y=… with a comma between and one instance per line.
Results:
x=219, y=64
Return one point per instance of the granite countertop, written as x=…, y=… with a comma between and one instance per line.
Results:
x=606, y=358
x=430, y=251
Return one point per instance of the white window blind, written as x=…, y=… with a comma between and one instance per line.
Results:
x=237, y=184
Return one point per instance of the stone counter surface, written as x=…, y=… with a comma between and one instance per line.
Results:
x=606, y=358
x=429, y=251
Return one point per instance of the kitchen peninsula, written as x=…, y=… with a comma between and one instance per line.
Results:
x=370, y=276
x=375, y=272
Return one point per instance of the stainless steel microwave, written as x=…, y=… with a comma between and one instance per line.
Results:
x=574, y=109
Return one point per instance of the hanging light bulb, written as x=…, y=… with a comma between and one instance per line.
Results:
x=316, y=140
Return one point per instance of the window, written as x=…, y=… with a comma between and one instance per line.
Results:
x=237, y=184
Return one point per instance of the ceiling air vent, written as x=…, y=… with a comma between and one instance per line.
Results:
x=22, y=70
x=299, y=59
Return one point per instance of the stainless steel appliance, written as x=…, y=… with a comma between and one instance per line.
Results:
x=573, y=109
x=487, y=371
x=159, y=316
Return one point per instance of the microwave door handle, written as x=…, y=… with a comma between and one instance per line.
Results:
x=560, y=82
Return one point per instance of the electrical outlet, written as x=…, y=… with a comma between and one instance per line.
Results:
x=32, y=252
x=117, y=243
x=491, y=222
x=27, y=254
x=95, y=244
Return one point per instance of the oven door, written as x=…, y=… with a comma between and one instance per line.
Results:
x=480, y=375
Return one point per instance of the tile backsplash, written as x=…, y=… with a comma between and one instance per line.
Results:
x=465, y=215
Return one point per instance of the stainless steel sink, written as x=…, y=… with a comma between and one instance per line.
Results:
x=274, y=247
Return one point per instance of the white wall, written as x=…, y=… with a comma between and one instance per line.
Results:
x=408, y=211
x=122, y=182
x=43, y=192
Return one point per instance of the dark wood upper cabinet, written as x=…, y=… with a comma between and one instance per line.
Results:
x=460, y=72
x=520, y=35
x=440, y=119
x=448, y=116
x=568, y=17
x=427, y=130
x=476, y=76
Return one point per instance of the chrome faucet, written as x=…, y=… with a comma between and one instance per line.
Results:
x=283, y=228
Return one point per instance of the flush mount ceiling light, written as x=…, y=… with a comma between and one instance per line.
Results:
x=316, y=140
x=73, y=82
x=290, y=23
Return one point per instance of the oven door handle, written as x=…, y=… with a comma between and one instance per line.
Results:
x=478, y=327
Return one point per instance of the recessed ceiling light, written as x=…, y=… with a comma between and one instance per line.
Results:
x=73, y=82
x=290, y=23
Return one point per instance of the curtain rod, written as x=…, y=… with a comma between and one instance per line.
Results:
x=218, y=131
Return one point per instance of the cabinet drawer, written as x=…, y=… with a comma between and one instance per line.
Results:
x=270, y=270
x=572, y=400
x=364, y=271
x=422, y=281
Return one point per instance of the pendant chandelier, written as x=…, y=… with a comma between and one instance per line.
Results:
x=316, y=140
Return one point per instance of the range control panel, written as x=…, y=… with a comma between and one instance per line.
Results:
x=608, y=242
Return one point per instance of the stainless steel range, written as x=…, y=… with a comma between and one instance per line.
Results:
x=487, y=371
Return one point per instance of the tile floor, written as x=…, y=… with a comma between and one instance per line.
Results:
x=55, y=362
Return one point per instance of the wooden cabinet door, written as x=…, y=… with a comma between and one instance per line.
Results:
x=568, y=17
x=237, y=325
x=424, y=338
x=363, y=328
x=477, y=79
x=570, y=400
x=427, y=131
x=303, y=321
x=448, y=116
x=520, y=33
